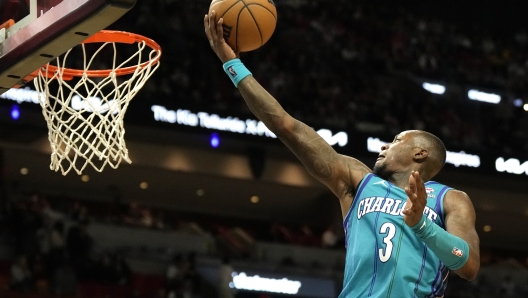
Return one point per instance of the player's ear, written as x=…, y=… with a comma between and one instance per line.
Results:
x=420, y=154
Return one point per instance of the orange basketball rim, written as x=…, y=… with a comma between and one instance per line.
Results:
x=105, y=36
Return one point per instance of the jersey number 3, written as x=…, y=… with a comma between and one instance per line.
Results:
x=390, y=230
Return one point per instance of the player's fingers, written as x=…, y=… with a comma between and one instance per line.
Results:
x=408, y=208
x=412, y=197
x=408, y=212
x=408, y=192
x=420, y=187
x=207, y=31
x=419, y=182
x=220, y=30
x=412, y=183
x=212, y=26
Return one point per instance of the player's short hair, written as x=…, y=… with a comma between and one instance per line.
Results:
x=437, y=149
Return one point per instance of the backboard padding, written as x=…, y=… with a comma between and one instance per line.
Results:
x=53, y=33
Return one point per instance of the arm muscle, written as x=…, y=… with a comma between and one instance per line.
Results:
x=460, y=221
x=338, y=172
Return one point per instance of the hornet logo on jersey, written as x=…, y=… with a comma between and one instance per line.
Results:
x=429, y=192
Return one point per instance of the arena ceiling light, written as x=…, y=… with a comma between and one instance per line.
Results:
x=15, y=112
x=511, y=165
x=242, y=281
x=477, y=95
x=22, y=95
x=434, y=88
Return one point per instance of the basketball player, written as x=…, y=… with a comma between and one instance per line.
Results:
x=402, y=235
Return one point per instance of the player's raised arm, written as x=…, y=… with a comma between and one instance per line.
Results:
x=336, y=171
x=340, y=173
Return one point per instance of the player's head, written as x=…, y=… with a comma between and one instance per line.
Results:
x=411, y=150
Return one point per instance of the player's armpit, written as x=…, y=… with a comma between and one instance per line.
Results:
x=340, y=173
x=460, y=221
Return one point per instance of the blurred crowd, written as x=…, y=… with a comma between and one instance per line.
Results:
x=353, y=65
x=56, y=255
x=54, y=249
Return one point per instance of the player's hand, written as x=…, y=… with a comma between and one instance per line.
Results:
x=215, y=35
x=416, y=201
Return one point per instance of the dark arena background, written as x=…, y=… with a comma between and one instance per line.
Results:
x=212, y=197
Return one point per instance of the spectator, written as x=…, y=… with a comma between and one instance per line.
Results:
x=159, y=221
x=79, y=245
x=39, y=274
x=524, y=289
x=105, y=270
x=58, y=246
x=147, y=220
x=191, y=276
x=64, y=279
x=122, y=269
x=484, y=286
x=508, y=287
x=78, y=212
x=307, y=236
x=329, y=238
x=21, y=277
x=225, y=277
x=174, y=276
x=134, y=214
x=44, y=236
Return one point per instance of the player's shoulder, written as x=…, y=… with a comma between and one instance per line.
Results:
x=456, y=199
x=457, y=194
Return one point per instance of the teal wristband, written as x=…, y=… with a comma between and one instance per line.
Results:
x=453, y=251
x=236, y=71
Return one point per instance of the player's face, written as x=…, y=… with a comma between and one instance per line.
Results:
x=395, y=156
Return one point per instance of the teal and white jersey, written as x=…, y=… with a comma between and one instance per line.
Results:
x=384, y=258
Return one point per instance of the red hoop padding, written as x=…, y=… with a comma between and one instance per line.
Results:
x=109, y=36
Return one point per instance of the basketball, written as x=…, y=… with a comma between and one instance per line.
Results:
x=248, y=24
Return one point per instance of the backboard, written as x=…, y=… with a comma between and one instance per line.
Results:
x=34, y=32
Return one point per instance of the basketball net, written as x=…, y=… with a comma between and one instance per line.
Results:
x=85, y=116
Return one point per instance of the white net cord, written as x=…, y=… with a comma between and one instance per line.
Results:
x=85, y=118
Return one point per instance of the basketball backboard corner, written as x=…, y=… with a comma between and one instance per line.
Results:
x=48, y=28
